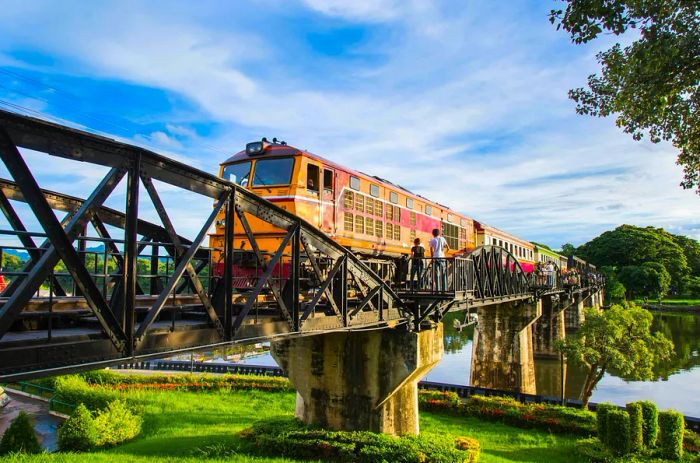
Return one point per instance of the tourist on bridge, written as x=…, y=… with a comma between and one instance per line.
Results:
x=438, y=247
x=417, y=256
x=549, y=271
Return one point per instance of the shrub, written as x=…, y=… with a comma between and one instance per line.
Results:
x=436, y=401
x=691, y=441
x=292, y=439
x=20, y=437
x=650, y=423
x=471, y=445
x=634, y=410
x=78, y=433
x=116, y=424
x=601, y=412
x=671, y=427
x=75, y=390
x=618, y=431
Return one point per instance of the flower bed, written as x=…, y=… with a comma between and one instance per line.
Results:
x=509, y=411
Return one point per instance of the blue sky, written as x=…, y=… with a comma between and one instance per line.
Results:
x=462, y=102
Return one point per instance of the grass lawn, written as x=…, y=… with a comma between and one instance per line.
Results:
x=177, y=423
x=677, y=302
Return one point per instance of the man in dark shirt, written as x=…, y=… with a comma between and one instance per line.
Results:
x=417, y=255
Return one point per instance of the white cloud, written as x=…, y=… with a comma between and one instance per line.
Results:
x=363, y=10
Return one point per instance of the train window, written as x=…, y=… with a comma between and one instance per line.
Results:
x=389, y=213
x=360, y=202
x=463, y=222
x=328, y=180
x=359, y=224
x=273, y=172
x=369, y=206
x=369, y=226
x=355, y=183
x=312, y=173
x=451, y=234
x=378, y=228
x=389, y=229
x=413, y=219
x=237, y=173
x=397, y=233
x=347, y=223
x=379, y=209
x=393, y=197
x=450, y=218
x=397, y=213
x=429, y=209
x=374, y=190
x=409, y=203
x=412, y=235
x=348, y=199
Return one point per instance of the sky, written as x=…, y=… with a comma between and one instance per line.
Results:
x=463, y=102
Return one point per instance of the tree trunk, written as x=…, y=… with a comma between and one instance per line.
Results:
x=592, y=379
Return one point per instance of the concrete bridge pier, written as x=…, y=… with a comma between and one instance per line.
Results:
x=550, y=327
x=574, y=315
x=360, y=380
x=502, y=352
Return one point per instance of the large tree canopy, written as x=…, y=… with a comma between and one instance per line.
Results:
x=628, y=245
x=651, y=85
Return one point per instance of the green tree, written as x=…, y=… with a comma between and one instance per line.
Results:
x=653, y=84
x=629, y=245
x=20, y=437
x=691, y=250
x=648, y=280
x=614, y=290
x=619, y=338
x=568, y=250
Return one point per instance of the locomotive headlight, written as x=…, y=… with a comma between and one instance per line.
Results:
x=220, y=223
x=255, y=148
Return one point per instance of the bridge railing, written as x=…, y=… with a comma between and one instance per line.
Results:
x=443, y=277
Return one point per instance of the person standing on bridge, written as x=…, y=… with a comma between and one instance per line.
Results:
x=549, y=271
x=417, y=256
x=438, y=247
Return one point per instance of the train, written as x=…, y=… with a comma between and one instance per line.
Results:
x=376, y=219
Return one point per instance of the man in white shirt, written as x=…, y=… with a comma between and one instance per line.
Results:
x=438, y=247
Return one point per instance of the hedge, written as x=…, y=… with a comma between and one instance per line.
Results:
x=601, y=411
x=189, y=382
x=650, y=423
x=116, y=424
x=509, y=411
x=636, y=443
x=618, y=431
x=292, y=439
x=671, y=427
x=20, y=437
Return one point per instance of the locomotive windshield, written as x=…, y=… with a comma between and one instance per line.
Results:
x=273, y=171
x=237, y=173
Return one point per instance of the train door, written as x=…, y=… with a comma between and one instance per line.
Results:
x=327, y=210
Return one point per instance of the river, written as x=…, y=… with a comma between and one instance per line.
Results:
x=676, y=386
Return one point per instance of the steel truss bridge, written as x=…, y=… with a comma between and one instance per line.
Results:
x=130, y=288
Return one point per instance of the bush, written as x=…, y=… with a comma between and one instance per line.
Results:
x=634, y=410
x=78, y=433
x=116, y=424
x=188, y=382
x=671, y=427
x=691, y=441
x=20, y=437
x=291, y=439
x=618, y=431
x=553, y=418
x=471, y=445
x=75, y=390
x=436, y=401
x=650, y=423
x=601, y=412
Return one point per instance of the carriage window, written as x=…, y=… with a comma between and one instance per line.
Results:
x=327, y=180
x=374, y=190
x=273, y=171
x=312, y=173
x=450, y=218
x=393, y=197
x=429, y=210
x=237, y=173
x=355, y=183
x=409, y=203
